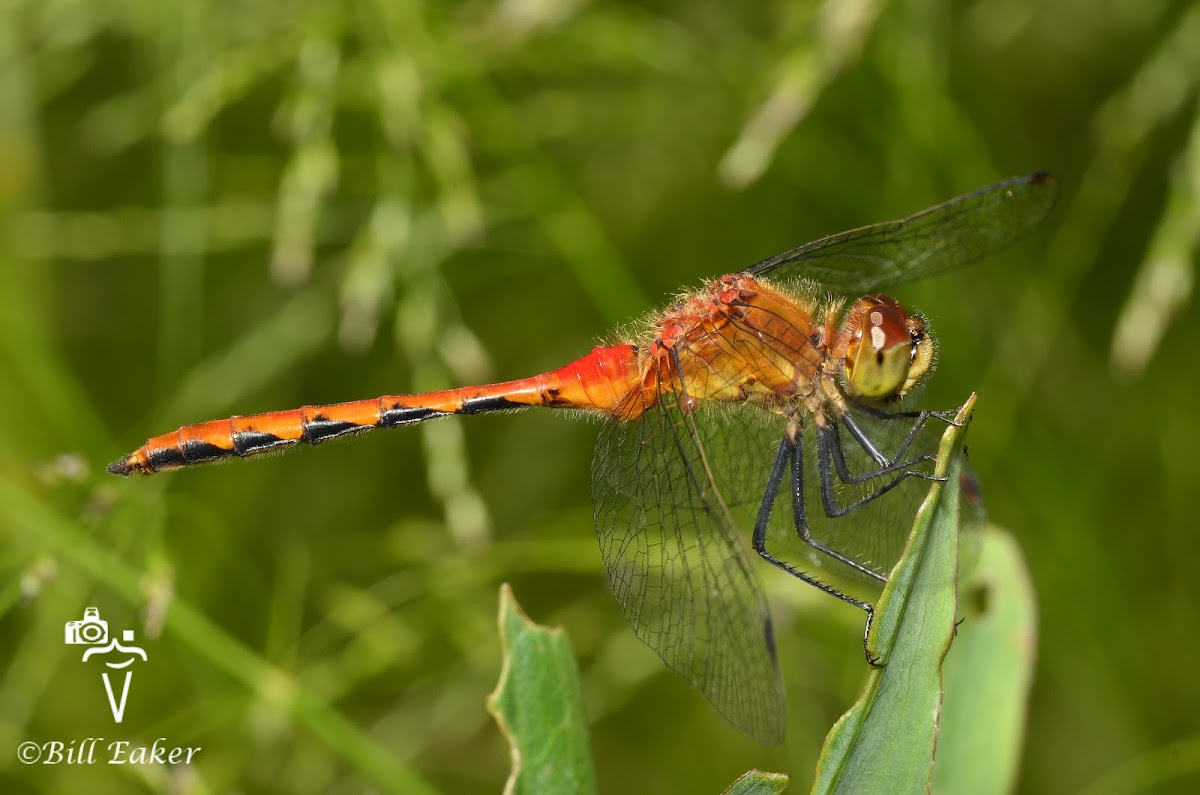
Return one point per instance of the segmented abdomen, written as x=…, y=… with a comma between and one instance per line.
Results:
x=597, y=382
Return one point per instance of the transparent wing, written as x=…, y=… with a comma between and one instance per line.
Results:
x=664, y=490
x=940, y=239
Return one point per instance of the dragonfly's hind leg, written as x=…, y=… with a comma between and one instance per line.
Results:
x=789, y=455
x=786, y=456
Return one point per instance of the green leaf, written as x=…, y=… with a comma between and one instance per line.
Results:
x=538, y=705
x=886, y=741
x=987, y=678
x=758, y=782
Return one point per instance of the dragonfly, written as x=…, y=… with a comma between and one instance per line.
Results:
x=777, y=397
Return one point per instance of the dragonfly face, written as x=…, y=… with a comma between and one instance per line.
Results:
x=888, y=351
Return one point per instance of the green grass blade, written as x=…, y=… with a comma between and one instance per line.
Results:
x=988, y=676
x=886, y=741
x=758, y=782
x=539, y=707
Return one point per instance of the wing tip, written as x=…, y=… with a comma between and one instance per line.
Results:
x=1042, y=178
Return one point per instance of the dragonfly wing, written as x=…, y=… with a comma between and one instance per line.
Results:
x=933, y=241
x=678, y=564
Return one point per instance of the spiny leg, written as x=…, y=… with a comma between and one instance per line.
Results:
x=831, y=457
x=919, y=417
x=788, y=453
x=828, y=448
x=847, y=477
x=800, y=514
x=947, y=416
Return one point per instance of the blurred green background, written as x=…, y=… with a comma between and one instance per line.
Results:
x=220, y=208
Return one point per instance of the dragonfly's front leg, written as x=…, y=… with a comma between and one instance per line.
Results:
x=919, y=419
x=830, y=459
x=886, y=467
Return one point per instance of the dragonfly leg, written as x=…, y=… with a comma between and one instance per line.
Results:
x=800, y=514
x=949, y=416
x=866, y=443
x=786, y=455
x=919, y=419
x=844, y=474
x=828, y=449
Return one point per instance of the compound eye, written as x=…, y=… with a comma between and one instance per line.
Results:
x=888, y=351
x=922, y=354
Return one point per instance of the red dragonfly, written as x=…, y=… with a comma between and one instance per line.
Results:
x=759, y=385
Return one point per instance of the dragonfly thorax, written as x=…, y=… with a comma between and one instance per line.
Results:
x=887, y=350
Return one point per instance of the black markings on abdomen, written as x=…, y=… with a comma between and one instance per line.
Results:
x=321, y=429
x=167, y=458
x=481, y=404
x=189, y=452
x=394, y=416
x=253, y=442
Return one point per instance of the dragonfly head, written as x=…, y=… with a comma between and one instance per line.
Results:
x=888, y=350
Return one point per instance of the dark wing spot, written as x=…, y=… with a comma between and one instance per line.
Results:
x=769, y=636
